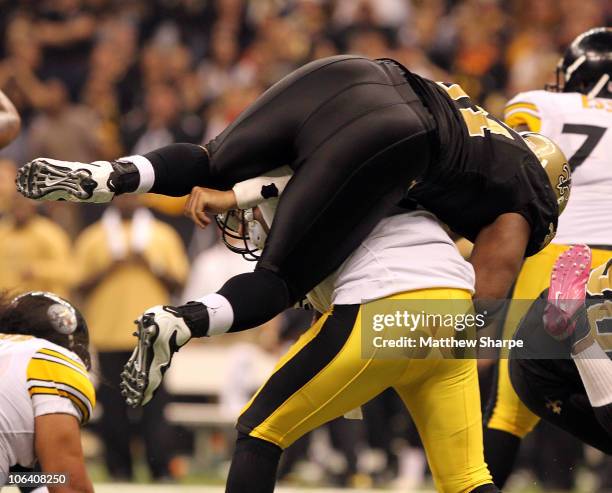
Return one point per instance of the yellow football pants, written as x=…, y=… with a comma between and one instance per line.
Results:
x=324, y=375
x=509, y=414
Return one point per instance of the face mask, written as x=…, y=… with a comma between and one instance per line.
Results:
x=257, y=233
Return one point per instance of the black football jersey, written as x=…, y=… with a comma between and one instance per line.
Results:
x=483, y=169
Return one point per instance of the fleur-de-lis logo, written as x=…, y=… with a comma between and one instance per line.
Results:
x=548, y=238
x=554, y=406
x=564, y=182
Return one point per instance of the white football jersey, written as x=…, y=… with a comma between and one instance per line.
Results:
x=405, y=252
x=581, y=128
x=37, y=377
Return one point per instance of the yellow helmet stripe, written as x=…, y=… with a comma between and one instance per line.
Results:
x=521, y=105
x=517, y=118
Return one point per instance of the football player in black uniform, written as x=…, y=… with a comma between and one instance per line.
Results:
x=563, y=372
x=361, y=137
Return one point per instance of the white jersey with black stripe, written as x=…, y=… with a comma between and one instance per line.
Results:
x=37, y=377
x=581, y=128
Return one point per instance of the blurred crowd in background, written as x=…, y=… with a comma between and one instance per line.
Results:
x=98, y=79
x=94, y=79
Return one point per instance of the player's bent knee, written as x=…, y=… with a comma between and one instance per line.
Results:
x=518, y=423
x=260, y=446
x=512, y=416
x=261, y=435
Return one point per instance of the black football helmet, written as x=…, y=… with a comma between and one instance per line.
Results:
x=586, y=66
x=46, y=315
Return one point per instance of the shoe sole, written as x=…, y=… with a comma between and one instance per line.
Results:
x=567, y=291
x=41, y=180
x=570, y=274
x=135, y=378
x=148, y=363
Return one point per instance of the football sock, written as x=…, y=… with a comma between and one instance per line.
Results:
x=171, y=170
x=501, y=449
x=595, y=369
x=254, y=466
x=243, y=302
x=220, y=313
x=255, y=297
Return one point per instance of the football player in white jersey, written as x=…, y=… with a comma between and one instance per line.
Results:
x=330, y=371
x=45, y=390
x=577, y=114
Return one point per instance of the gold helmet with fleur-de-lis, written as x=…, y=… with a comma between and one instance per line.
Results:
x=554, y=163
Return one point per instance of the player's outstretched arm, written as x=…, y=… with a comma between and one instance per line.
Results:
x=10, y=122
x=497, y=258
x=245, y=195
x=204, y=200
x=55, y=432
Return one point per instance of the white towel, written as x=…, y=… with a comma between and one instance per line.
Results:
x=139, y=235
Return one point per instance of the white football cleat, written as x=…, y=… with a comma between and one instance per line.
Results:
x=161, y=333
x=52, y=179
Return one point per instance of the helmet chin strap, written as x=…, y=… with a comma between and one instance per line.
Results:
x=603, y=80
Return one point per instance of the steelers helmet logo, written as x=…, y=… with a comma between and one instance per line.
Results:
x=62, y=318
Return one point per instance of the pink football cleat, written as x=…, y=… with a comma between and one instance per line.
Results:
x=567, y=291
